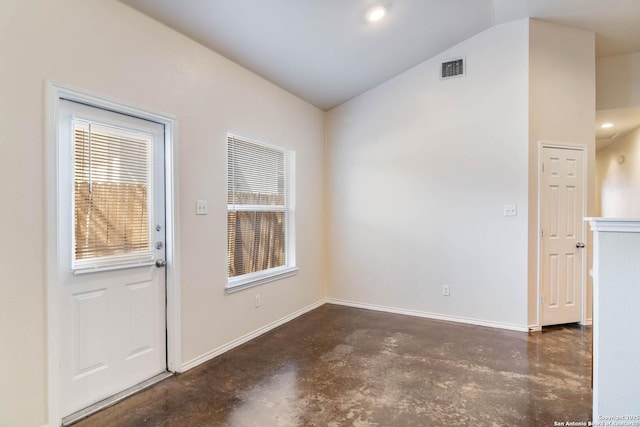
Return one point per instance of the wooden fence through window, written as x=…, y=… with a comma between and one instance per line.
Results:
x=256, y=239
x=111, y=219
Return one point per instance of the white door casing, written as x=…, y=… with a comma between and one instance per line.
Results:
x=112, y=316
x=562, y=251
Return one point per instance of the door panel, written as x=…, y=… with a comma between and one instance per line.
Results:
x=562, y=211
x=140, y=326
x=111, y=230
x=89, y=325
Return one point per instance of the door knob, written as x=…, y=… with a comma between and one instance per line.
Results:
x=161, y=263
x=579, y=245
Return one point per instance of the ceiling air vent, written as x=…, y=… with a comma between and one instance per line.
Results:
x=453, y=68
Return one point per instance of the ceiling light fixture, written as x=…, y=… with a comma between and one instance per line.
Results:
x=376, y=13
x=606, y=125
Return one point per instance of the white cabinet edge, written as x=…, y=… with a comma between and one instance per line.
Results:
x=620, y=225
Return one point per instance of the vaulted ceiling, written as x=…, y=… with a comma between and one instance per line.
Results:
x=326, y=52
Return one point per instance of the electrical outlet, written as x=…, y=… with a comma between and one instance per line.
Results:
x=510, y=210
x=445, y=290
x=201, y=207
x=257, y=301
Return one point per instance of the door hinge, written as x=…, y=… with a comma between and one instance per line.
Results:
x=542, y=233
x=543, y=167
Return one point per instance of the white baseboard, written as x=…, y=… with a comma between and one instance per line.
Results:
x=248, y=337
x=587, y=322
x=426, y=315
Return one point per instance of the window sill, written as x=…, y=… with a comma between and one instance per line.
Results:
x=254, y=279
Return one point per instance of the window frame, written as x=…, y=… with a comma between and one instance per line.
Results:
x=290, y=268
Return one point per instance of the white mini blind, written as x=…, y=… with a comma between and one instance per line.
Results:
x=259, y=207
x=113, y=196
x=256, y=174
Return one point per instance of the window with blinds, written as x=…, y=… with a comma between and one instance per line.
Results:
x=259, y=211
x=112, y=196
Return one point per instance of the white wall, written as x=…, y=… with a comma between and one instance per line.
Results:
x=561, y=110
x=618, y=81
x=420, y=171
x=108, y=48
x=616, y=338
x=619, y=183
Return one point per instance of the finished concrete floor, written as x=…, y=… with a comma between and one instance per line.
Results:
x=339, y=366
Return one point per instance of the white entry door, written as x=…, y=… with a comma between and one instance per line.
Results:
x=562, y=213
x=111, y=293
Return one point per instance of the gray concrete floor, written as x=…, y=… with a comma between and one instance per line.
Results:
x=339, y=366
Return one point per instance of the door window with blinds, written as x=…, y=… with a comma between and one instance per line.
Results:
x=260, y=212
x=112, y=196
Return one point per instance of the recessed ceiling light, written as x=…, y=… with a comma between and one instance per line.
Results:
x=606, y=125
x=376, y=13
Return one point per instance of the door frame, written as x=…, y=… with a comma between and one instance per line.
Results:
x=583, y=274
x=53, y=93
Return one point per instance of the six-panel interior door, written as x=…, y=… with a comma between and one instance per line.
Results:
x=111, y=233
x=562, y=213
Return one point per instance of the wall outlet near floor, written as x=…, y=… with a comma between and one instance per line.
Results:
x=445, y=290
x=257, y=301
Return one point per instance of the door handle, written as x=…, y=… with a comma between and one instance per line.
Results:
x=579, y=245
x=161, y=263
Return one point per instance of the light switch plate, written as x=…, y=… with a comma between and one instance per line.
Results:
x=510, y=210
x=201, y=207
